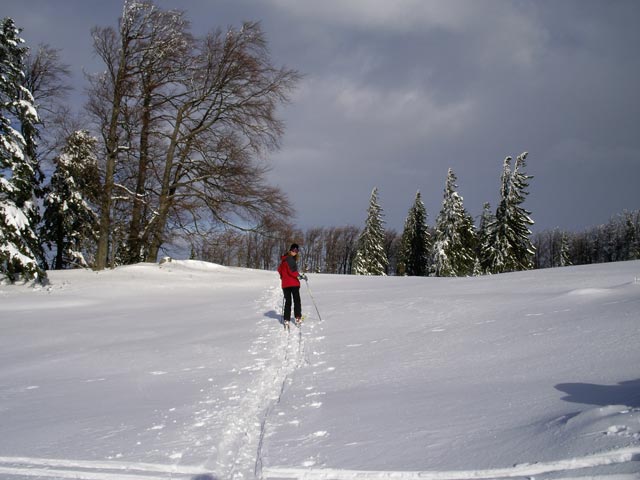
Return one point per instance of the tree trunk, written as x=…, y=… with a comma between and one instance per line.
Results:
x=59, y=248
x=134, y=242
x=102, y=253
x=166, y=195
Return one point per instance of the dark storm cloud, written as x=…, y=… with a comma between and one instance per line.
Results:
x=395, y=93
x=464, y=84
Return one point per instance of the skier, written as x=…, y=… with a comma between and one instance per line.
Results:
x=290, y=278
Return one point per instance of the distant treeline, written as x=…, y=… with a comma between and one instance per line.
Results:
x=332, y=249
x=615, y=241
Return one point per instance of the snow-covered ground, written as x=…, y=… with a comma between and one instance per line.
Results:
x=183, y=371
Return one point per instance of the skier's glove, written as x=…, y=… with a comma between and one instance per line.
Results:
x=302, y=276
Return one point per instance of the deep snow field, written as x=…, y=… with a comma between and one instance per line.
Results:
x=183, y=371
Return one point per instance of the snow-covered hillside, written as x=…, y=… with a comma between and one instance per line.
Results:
x=183, y=371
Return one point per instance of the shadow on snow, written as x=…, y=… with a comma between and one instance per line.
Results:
x=624, y=393
x=275, y=315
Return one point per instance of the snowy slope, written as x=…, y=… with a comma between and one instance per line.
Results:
x=183, y=371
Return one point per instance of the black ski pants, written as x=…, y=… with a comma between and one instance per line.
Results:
x=290, y=292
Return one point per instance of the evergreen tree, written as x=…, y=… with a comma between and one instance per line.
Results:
x=455, y=238
x=495, y=247
x=371, y=258
x=414, y=247
x=563, y=255
x=486, y=220
x=69, y=221
x=631, y=237
x=20, y=250
x=520, y=217
x=508, y=247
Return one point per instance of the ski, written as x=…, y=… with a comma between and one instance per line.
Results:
x=287, y=323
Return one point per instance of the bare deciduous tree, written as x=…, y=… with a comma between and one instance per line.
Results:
x=224, y=121
x=120, y=50
x=47, y=78
x=186, y=124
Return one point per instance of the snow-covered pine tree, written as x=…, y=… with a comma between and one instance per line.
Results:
x=70, y=223
x=415, y=243
x=486, y=220
x=520, y=217
x=632, y=235
x=371, y=258
x=563, y=254
x=495, y=247
x=508, y=247
x=20, y=250
x=455, y=237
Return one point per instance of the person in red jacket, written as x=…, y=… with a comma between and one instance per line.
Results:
x=290, y=278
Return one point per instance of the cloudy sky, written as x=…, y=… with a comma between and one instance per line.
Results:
x=395, y=92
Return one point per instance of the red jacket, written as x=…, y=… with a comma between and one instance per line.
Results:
x=288, y=271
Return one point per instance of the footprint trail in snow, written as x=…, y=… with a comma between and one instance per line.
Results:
x=276, y=355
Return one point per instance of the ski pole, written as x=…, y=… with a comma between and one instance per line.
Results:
x=312, y=299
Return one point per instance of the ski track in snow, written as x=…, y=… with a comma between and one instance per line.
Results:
x=527, y=470
x=276, y=355
x=237, y=455
x=90, y=470
x=94, y=470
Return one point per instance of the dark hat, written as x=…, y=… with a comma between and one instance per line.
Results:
x=294, y=246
